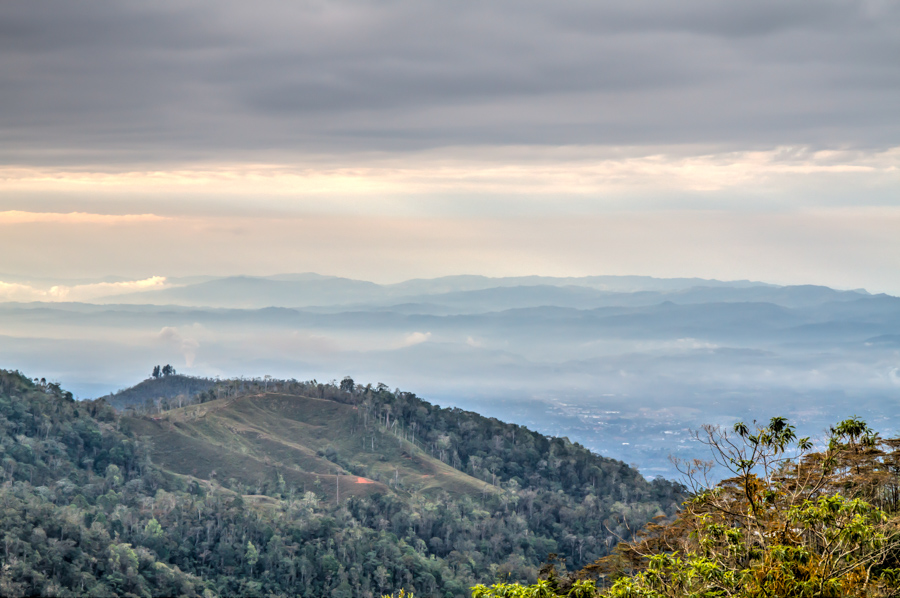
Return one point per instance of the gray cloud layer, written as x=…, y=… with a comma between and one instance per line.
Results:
x=101, y=81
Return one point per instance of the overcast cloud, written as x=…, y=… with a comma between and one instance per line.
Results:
x=695, y=138
x=98, y=82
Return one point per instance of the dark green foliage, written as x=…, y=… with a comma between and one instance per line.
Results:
x=575, y=499
x=83, y=511
x=160, y=391
x=65, y=472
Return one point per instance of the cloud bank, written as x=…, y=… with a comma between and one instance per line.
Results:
x=106, y=82
x=84, y=292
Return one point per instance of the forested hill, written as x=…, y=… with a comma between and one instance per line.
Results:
x=290, y=488
x=168, y=387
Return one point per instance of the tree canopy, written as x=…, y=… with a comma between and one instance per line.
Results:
x=85, y=510
x=792, y=519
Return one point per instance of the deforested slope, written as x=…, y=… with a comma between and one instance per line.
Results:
x=315, y=444
x=364, y=440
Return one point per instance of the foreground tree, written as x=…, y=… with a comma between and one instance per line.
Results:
x=790, y=521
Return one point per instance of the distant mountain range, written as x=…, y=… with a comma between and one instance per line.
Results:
x=625, y=365
x=473, y=293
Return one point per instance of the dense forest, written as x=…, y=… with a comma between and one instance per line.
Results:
x=86, y=510
x=164, y=389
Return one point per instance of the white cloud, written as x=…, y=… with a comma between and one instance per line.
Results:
x=83, y=292
x=20, y=292
x=496, y=171
x=187, y=346
x=416, y=338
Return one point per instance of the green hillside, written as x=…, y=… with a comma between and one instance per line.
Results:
x=314, y=444
x=159, y=392
x=351, y=440
x=305, y=490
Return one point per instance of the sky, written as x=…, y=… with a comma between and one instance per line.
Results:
x=387, y=140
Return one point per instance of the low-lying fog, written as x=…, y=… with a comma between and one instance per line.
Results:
x=624, y=365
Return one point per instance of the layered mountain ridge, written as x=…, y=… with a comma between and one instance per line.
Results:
x=624, y=365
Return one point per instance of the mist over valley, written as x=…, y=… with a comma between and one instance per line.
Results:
x=626, y=366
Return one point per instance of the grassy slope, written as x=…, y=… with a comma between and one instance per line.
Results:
x=253, y=438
